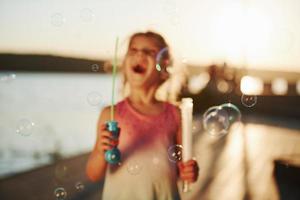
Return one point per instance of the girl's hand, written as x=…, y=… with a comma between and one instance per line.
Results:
x=188, y=171
x=107, y=142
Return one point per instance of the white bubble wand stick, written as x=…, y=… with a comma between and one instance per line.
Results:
x=186, y=119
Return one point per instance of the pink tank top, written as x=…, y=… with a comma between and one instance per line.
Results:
x=145, y=172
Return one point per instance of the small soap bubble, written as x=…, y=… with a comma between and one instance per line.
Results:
x=86, y=15
x=57, y=19
x=25, y=127
x=62, y=172
x=95, y=67
x=215, y=121
x=60, y=193
x=233, y=112
x=134, y=168
x=175, y=153
x=162, y=59
x=94, y=98
x=248, y=100
x=79, y=186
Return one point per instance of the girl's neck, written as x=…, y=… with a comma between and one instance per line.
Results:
x=142, y=96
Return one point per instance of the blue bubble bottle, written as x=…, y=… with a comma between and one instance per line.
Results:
x=113, y=156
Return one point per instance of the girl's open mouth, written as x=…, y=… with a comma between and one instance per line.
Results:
x=138, y=69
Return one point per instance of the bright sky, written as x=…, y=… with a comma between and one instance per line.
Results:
x=252, y=33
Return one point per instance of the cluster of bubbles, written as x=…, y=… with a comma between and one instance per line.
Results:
x=61, y=194
x=248, y=100
x=175, y=153
x=58, y=19
x=25, y=127
x=217, y=120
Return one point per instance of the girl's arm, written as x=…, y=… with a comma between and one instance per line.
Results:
x=96, y=165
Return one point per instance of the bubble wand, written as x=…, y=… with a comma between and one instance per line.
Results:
x=113, y=82
x=113, y=156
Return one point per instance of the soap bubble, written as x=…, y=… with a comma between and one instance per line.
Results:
x=86, y=15
x=25, y=127
x=234, y=114
x=249, y=100
x=134, y=168
x=95, y=67
x=62, y=172
x=175, y=153
x=60, y=193
x=94, y=98
x=79, y=186
x=216, y=121
x=57, y=19
x=161, y=61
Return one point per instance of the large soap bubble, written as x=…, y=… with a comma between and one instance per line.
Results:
x=216, y=121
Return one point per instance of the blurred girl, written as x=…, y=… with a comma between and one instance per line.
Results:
x=148, y=128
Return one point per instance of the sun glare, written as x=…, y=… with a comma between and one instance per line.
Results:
x=252, y=85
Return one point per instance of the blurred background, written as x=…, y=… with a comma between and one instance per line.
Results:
x=55, y=77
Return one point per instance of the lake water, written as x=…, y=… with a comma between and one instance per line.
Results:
x=48, y=115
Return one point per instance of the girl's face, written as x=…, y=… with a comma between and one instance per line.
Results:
x=140, y=62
